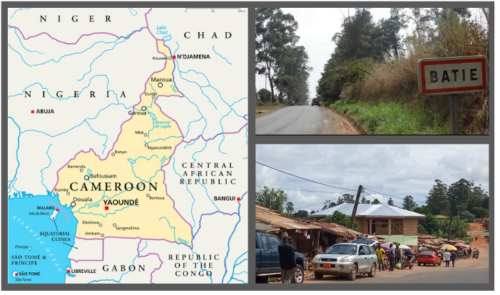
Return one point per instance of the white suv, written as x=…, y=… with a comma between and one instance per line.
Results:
x=345, y=259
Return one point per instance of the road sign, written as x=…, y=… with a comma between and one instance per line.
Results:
x=452, y=75
x=342, y=95
x=479, y=233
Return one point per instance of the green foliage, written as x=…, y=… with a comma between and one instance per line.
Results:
x=342, y=219
x=274, y=31
x=278, y=58
x=429, y=223
x=339, y=218
x=289, y=208
x=301, y=213
x=375, y=63
x=409, y=203
x=376, y=201
x=390, y=202
x=443, y=225
x=272, y=199
x=480, y=212
x=390, y=118
x=437, y=201
x=422, y=230
x=264, y=95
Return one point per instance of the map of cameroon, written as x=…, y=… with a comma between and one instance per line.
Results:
x=125, y=193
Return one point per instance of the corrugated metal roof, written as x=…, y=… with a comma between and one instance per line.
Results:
x=262, y=227
x=369, y=210
x=337, y=229
x=275, y=219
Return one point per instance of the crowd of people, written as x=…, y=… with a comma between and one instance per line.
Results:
x=393, y=256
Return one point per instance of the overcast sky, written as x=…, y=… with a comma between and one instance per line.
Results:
x=316, y=29
x=397, y=170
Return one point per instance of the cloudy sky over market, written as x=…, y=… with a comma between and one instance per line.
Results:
x=395, y=170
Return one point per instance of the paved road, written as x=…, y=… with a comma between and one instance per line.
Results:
x=418, y=275
x=299, y=120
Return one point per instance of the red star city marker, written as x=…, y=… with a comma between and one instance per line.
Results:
x=69, y=271
x=174, y=57
x=32, y=111
x=57, y=210
x=239, y=199
x=106, y=207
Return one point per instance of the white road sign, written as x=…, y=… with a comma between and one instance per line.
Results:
x=452, y=75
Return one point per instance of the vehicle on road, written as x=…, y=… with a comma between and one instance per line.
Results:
x=475, y=254
x=268, y=259
x=315, y=101
x=345, y=259
x=428, y=257
x=368, y=242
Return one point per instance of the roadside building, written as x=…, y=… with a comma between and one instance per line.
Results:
x=390, y=223
x=304, y=235
x=332, y=233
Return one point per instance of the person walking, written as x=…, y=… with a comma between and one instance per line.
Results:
x=470, y=251
x=391, y=253
x=399, y=255
x=446, y=257
x=287, y=261
x=453, y=258
x=380, y=256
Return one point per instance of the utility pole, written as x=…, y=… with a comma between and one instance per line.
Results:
x=353, y=215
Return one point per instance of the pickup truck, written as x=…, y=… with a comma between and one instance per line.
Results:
x=268, y=259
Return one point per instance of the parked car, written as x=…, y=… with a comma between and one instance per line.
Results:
x=268, y=259
x=372, y=243
x=348, y=259
x=428, y=257
x=315, y=101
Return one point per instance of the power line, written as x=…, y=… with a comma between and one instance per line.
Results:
x=303, y=190
x=305, y=178
x=384, y=194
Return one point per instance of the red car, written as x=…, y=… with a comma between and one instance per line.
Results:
x=428, y=257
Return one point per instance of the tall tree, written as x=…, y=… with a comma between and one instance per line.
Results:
x=391, y=28
x=437, y=201
x=364, y=200
x=409, y=203
x=292, y=74
x=289, y=208
x=274, y=31
x=272, y=199
x=348, y=198
x=376, y=201
x=459, y=194
x=390, y=202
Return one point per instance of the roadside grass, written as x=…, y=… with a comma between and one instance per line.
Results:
x=264, y=108
x=391, y=118
x=467, y=239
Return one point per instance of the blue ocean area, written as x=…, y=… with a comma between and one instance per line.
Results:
x=35, y=257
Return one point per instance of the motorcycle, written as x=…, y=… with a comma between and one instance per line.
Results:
x=407, y=262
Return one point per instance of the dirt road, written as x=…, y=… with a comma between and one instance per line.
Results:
x=303, y=120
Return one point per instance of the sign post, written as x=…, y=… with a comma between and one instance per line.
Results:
x=451, y=76
x=342, y=95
